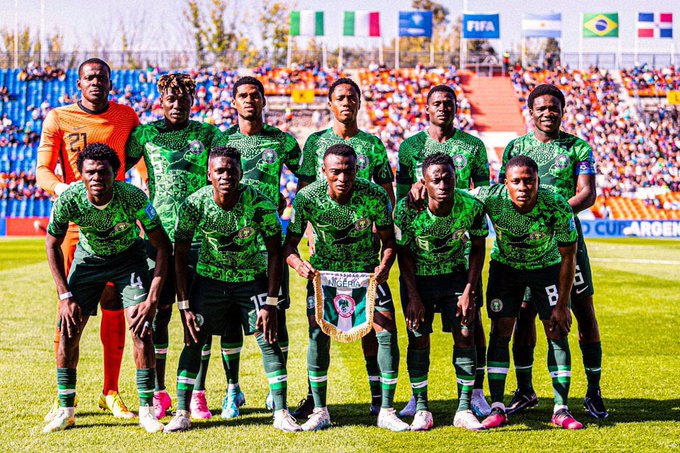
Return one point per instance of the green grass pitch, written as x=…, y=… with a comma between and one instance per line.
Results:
x=637, y=294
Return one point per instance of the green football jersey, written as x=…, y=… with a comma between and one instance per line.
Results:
x=560, y=162
x=107, y=231
x=230, y=239
x=439, y=244
x=372, y=161
x=177, y=162
x=467, y=151
x=528, y=241
x=343, y=233
x=263, y=156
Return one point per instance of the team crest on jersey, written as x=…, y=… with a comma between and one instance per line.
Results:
x=562, y=162
x=150, y=211
x=120, y=227
x=269, y=156
x=362, y=224
x=245, y=232
x=459, y=161
x=536, y=236
x=496, y=305
x=196, y=147
x=362, y=162
x=459, y=234
x=344, y=305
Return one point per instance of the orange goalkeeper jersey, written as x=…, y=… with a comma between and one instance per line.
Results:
x=67, y=130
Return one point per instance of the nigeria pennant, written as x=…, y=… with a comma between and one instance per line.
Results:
x=344, y=303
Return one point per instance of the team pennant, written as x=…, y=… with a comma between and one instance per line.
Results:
x=344, y=304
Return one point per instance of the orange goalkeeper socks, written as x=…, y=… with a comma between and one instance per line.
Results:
x=113, y=341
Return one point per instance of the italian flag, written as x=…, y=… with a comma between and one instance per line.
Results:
x=361, y=23
x=306, y=23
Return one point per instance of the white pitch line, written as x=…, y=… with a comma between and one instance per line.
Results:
x=639, y=261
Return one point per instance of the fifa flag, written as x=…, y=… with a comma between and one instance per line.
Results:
x=601, y=25
x=542, y=25
x=655, y=25
x=415, y=23
x=344, y=304
x=481, y=26
x=306, y=23
x=361, y=24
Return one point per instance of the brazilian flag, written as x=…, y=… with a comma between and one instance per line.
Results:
x=344, y=304
x=601, y=25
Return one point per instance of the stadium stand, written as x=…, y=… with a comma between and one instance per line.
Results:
x=636, y=151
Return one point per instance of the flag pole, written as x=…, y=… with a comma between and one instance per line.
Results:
x=340, y=52
x=580, y=45
x=380, y=51
x=289, y=53
x=396, y=48
x=324, y=56
x=619, y=55
x=524, y=51
x=432, y=50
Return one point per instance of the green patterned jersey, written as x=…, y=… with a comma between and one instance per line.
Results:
x=438, y=244
x=263, y=156
x=107, y=231
x=560, y=162
x=372, y=162
x=467, y=151
x=230, y=239
x=343, y=233
x=528, y=241
x=177, y=162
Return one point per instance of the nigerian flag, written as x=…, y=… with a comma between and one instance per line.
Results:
x=344, y=304
x=306, y=23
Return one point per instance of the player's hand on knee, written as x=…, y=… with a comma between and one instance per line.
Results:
x=415, y=314
x=141, y=317
x=416, y=196
x=70, y=317
x=382, y=273
x=191, y=327
x=560, y=319
x=267, y=323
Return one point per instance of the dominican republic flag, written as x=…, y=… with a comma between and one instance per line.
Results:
x=655, y=25
x=542, y=25
x=344, y=303
x=306, y=23
x=361, y=23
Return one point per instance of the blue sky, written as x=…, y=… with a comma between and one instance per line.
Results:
x=163, y=28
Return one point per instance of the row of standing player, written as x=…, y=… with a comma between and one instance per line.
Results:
x=262, y=152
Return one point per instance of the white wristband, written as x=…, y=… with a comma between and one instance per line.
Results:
x=65, y=296
x=183, y=304
x=272, y=300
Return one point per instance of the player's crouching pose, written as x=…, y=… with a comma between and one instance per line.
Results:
x=342, y=211
x=535, y=247
x=110, y=250
x=231, y=271
x=434, y=273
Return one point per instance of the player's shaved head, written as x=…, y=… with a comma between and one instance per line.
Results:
x=178, y=83
x=100, y=152
x=226, y=151
x=442, y=89
x=437, y=159
x=93, y=61
x=522, y=162
x=543, y=90
x=341, y=150
x=248, y=80
x=344, y=81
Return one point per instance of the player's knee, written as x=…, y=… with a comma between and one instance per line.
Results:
x=162, y=318
x=502, y=327
x=384, y=322
x=422, y=342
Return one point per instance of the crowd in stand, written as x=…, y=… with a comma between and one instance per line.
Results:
x=643, y=80
x=635, y=154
